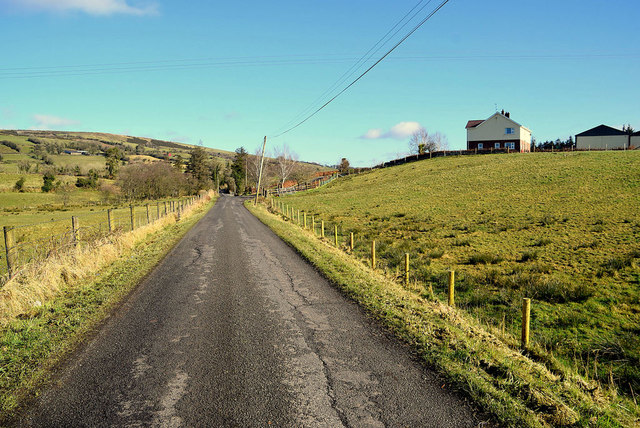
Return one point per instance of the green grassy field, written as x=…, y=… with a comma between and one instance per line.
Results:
x=562, y=229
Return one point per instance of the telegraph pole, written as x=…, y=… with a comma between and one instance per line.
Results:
x=260, y=175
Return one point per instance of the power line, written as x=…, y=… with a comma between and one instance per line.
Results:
x=146, y=66
x=433, y=12
x=363, y=59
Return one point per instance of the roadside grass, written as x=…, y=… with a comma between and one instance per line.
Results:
x=560, y=228
x=50, y=308
x=520, y=388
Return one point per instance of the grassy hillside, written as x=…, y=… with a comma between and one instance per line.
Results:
x=562, y=229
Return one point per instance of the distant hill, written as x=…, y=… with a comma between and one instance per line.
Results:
x=102, y=140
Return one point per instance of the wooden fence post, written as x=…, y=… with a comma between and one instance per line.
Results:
x=526, y=320
x=148, y=218
x=9, y=242
x=313, y=223
x=373, y=254
x=452, y=279
x=133, y=223
x=109, y=221
x=165, y=208
x=74, y=229
x=351, y=241
x=406, y=268
x=157, y=210
x=304, y=217
x=298, y=217
x=322, y=229
x=335, y=234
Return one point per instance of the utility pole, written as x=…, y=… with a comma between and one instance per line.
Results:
x=260, y=175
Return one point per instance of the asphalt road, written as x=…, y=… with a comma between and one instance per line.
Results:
x=233, y=328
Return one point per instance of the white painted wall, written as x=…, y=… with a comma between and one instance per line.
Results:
x=602, y=142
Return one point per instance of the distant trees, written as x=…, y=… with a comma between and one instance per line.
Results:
x=558, y=144
x=11, y=145
x=24, y=166
x=113, y=155
x=19, y=186
x=286, y=161
x=343, y=166
x=199, y=169
x=152, y=181
x=239, y=169
x=422, y=142
x=90, y=181
x=48, y=179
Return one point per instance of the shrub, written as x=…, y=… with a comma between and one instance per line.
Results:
x=19, y=186
x=529, y=256
x=24, y=166
x=483, y=259
x=554, y=290
x=461, y=243
x=48, y=179
x=541, y=242
x=90, y=181
x=11, y=145
x=435, y=254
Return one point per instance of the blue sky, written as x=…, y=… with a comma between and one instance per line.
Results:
x=228, y=73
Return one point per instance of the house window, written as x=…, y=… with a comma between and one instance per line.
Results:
x=480, y=146
x=496, y=145
x=511, y=146
x=509, y=131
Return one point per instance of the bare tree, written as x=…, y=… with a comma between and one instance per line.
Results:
x=254, y=166
x=422, y=142
x=286, y=161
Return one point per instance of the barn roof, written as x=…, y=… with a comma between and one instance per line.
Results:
x=600, y=131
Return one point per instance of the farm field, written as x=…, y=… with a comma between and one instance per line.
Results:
x=560, y=228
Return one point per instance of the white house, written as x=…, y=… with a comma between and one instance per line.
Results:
x=498, y=132
x=602, y=137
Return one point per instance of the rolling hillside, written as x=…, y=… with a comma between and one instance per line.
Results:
x=560, y=228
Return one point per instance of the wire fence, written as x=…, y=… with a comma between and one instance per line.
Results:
x=29, y=243
x=399, y=262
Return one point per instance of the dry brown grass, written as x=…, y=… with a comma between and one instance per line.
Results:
x=37, y=283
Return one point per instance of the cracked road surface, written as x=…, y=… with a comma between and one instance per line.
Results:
x=233, y=328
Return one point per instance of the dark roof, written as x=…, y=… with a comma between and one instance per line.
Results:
x=636, y=133
x=600, y=131
x=473, y=123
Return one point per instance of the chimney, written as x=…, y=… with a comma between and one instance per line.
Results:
x=502, y=112
x=508, y=114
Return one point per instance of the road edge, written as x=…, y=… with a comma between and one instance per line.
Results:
x=62, y=326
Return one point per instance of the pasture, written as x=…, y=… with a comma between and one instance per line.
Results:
x=560, y=228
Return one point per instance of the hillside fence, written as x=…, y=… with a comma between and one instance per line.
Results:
x=309, y=185
x=445, y=153
x=396, y=266
x=33, y=242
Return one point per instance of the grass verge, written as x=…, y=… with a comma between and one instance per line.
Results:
x=520, y=388
x=35, y=337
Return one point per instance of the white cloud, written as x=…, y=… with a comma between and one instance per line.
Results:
x=399, y=131
x=44, y=121
x=372, y=134
x=92, y=7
